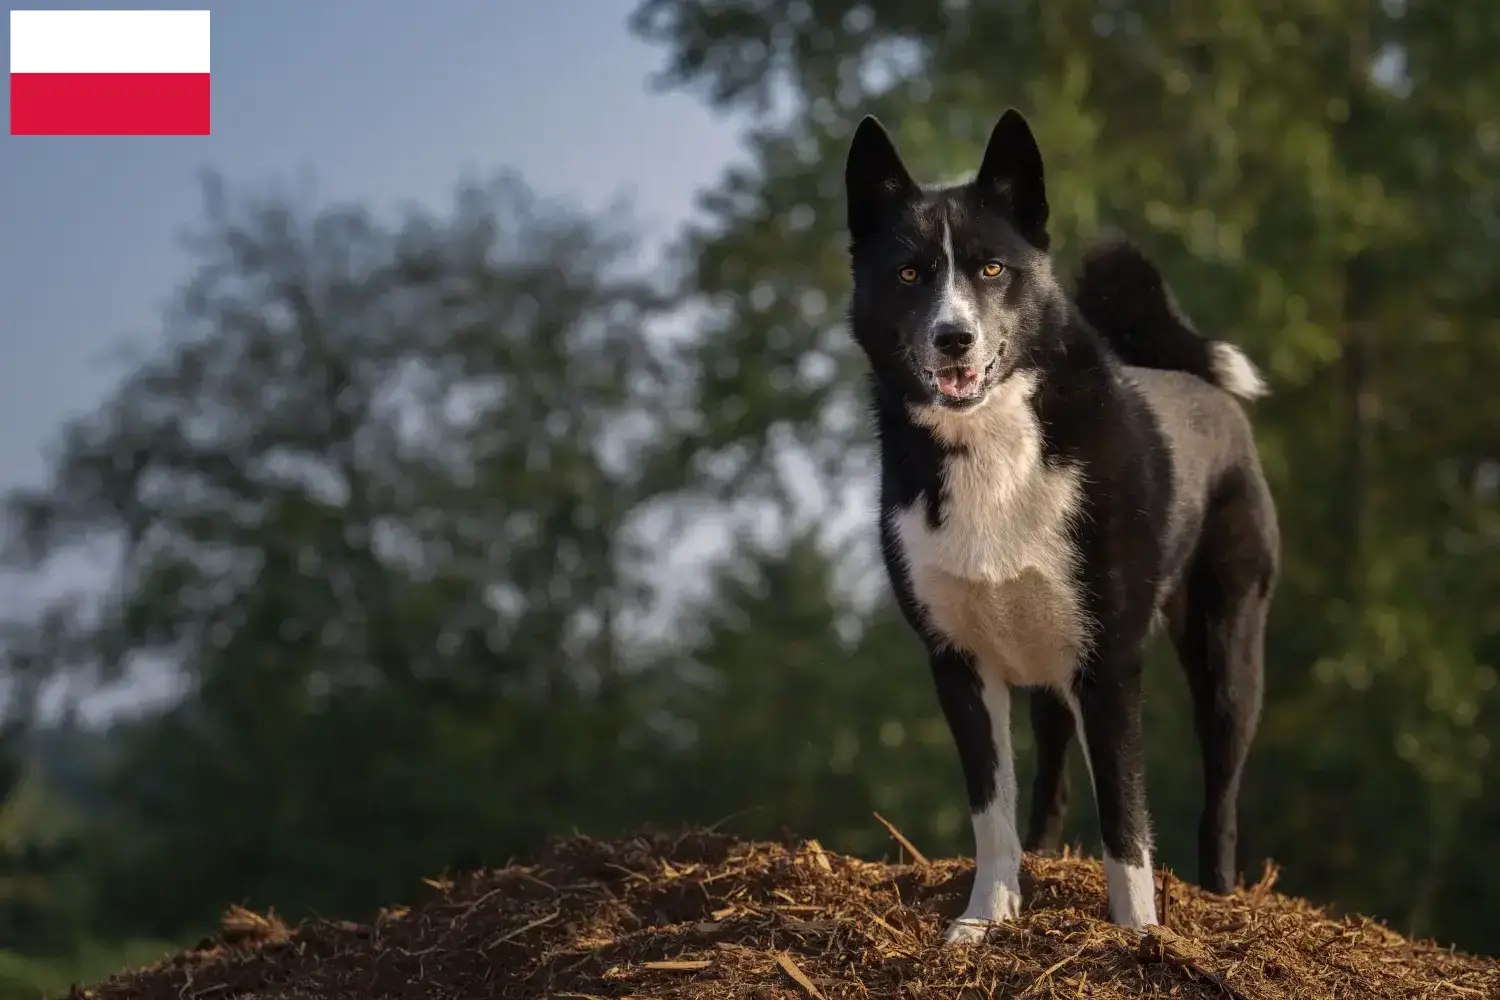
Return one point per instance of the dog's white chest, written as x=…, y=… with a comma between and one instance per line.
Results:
x=996, y=577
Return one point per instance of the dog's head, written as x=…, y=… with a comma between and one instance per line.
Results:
x=950, y=284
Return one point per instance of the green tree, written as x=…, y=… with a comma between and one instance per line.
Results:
x=373, y=501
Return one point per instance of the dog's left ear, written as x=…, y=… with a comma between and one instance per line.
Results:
x=1012, y=168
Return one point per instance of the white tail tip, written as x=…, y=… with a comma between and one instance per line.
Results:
x=1235, y=373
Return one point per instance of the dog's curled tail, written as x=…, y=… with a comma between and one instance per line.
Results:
x=1122, y=294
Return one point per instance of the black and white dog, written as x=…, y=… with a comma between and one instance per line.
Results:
x=1056, y=476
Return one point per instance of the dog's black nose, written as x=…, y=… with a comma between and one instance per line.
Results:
x=952, y=340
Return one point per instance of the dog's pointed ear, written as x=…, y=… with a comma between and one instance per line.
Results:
x=874, y=178
x=1012, y=168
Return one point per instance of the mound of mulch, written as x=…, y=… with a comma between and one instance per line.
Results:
x=708, y=916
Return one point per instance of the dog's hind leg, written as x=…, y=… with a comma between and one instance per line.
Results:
x=1220, y=640
x=1052, y=727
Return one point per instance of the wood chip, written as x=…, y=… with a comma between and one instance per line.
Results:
x=883, y=923
x=819, y=857
x=533, y=925
x=798, y=976
x=1045, y=976
x=900, y=838
x=1162, y=944
x=682, y=966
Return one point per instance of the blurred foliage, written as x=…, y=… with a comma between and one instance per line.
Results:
x=27, y=977
x=402, y=503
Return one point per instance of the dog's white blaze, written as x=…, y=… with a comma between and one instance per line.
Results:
x=996, y=577
x=1235, y=373
x=954, y=305
x=1132, y=887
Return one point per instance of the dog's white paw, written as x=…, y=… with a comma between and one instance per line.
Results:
x=990, y=905
x=1132, y=894
x=967, y=930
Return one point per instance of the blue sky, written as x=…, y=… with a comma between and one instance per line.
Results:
x=381, y=100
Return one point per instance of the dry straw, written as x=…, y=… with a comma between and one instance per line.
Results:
x=704, y=916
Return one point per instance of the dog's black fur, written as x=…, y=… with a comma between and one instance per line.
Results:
x=1056, y=476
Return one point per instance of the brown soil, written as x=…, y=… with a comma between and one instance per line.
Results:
x=707, y=916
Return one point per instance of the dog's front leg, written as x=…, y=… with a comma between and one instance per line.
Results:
x=978, y=713
x=1107, y=693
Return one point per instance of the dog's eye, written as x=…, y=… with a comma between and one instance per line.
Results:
x=992, y=269
x=908, y=274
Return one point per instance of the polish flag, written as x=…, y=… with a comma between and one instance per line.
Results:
x=109, y=72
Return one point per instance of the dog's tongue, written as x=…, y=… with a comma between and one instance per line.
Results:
x=958, y=382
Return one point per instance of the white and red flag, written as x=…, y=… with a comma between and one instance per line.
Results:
x=109, y=72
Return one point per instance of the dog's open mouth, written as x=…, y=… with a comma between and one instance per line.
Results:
x=961, y=381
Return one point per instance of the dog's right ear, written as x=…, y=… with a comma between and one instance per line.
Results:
x=1012, y=168
x=875, y=179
